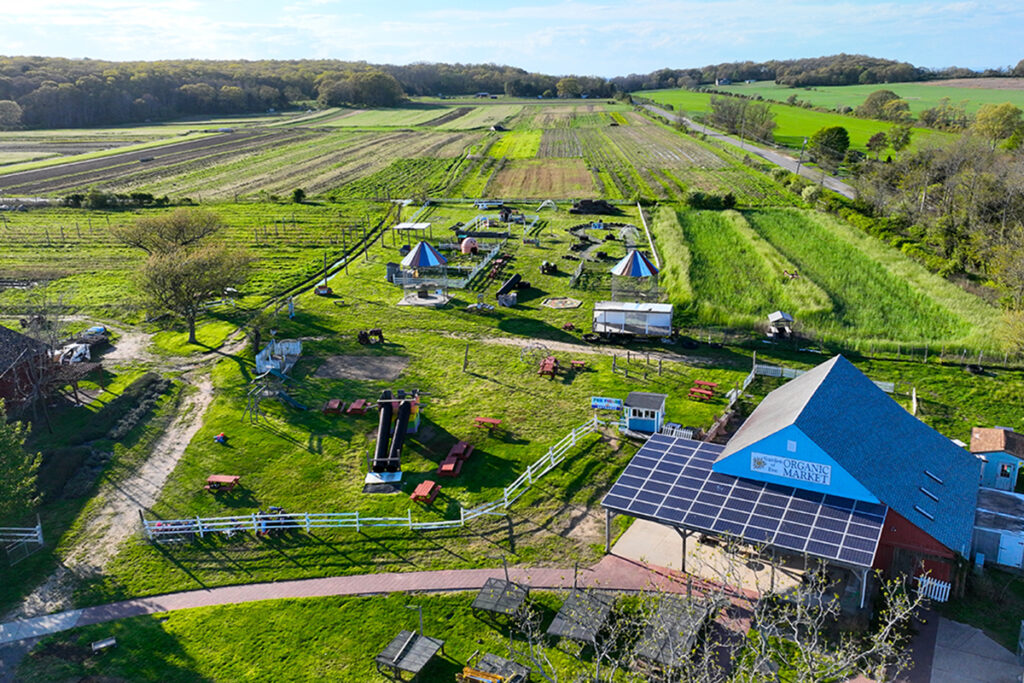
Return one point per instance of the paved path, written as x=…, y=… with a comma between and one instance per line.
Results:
x=777, y=158
x=613, y=573
x=963, y=654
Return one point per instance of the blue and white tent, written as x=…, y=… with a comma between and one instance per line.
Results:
x=634, y=264
x=424, y=256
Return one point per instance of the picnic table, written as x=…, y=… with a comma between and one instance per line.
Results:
x=450, y=466
x=358, y=407
x=222, y=482
x=702, y=394
x=487, y=422
x=578, y=364
x=462, y=450
x=548, y=366
x=426, y=491
x=706, y=385
x=334, y=406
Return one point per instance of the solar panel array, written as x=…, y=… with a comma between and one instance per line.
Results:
x=500, y=596
x=670, y=481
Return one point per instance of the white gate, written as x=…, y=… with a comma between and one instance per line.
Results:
x=20, y=542
x=933, y=589
x=1011, y=550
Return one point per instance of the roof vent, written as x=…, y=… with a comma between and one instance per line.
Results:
x=929, y=494
x=924, y=513
x=933, y=476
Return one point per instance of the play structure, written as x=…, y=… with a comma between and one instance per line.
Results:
x=780, y=325
x=278, y=356
x=270, y=384
x=399, y=415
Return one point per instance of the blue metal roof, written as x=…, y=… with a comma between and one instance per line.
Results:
x=423, y=256
x=634, y=264
x=902, y=461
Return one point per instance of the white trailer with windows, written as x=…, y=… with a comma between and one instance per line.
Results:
x=633, y=319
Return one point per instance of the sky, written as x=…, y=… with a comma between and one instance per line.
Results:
x=583, y=37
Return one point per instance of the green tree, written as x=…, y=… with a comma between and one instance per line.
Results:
x=896, y=110
x=997, y=122
x=828, y=146
x=874, y=104
x=169, y=232
x=899, y=137
x=877, y=142
x=568, y=87
x=17, y=470
x=10, y=114
x=742, y=117
x=298, y=195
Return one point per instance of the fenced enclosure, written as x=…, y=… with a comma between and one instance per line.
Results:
x=20, y=542
x=490, y=250
x=186, y=529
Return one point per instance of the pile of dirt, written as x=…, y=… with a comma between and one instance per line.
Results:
x=382, y=368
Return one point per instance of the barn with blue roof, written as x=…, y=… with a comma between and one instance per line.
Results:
x=827, y=466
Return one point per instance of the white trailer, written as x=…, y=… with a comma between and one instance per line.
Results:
x=633, y=319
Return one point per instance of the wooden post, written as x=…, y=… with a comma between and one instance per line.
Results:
x=659, y=367
x=465, y=360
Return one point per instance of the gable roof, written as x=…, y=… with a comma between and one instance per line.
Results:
x=646, y=400
x=15, y=347
x=889, y=451
x=997, y=440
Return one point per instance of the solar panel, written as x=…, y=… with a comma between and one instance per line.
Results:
x=673, y=629
x=500, y=596
x=670, y=480
x=409, y=651
x=582, y=615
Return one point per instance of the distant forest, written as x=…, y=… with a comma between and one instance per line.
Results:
x=48, y=92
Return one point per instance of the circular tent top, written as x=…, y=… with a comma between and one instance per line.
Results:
x=635, y=264
x=423, y=256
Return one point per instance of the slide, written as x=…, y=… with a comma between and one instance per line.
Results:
x=291, y=401
x=380, y=455
x=509, y=285
x=398, y=440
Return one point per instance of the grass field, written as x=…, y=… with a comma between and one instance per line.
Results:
x=795, y=123
x=919, y=96
x=517, y=145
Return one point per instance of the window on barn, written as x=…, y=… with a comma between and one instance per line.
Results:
x=1004, y=471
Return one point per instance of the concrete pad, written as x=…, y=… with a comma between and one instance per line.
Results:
x=661, y=545
x=38, y=626
x=964, y=654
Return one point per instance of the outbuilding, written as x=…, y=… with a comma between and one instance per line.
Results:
x=632, y=319
x=644, y=412
x=1001, y=451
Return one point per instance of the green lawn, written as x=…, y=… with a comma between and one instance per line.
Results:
x=919, y=96
x=795, y=123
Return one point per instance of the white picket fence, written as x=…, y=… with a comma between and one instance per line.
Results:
x=677, y=432
x=305, y=521
x=408, y=281
x=933, y=589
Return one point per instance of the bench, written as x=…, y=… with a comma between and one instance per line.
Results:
x=450, y=466
x=334, y=406
x=101, y=645
x=221, y=482
x=462, y=450
x=358, y=407
x=487, y=422
x=426, y=491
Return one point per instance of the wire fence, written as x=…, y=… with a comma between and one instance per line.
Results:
x=264, y=523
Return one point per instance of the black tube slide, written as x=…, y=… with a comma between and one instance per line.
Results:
x=383, y=432
x=398, y=440
x=509, y=285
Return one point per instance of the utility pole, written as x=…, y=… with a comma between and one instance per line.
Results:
x=801, y=161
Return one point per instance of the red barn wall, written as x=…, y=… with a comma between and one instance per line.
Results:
x=899, y=533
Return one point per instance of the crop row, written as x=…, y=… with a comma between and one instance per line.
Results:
x=560, y=142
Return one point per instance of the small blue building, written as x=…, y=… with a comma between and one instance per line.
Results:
x=644, y=412
x=1001, y=451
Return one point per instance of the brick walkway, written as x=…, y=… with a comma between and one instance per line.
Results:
x=612, y=572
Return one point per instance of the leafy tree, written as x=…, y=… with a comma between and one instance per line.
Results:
x=182, y=279
x=742, y=116
x=17, y=470
x=874, y=104
x=899, y=137
x=169, y=232
x=569, y=87
x=997, y=122
x=829, y=145
x=298, y=195
x=896, y=110
x=10, y=114
x=877, y=142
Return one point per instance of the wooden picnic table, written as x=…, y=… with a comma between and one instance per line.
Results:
x=358, y=407
x=487, y=422
x=426, y=491
x=222, y=482
x=334, y=406
x=548, y=366
x=581, y=364
x=462, y=450
x=450, y=466
x=702, y=394
x=707, y=385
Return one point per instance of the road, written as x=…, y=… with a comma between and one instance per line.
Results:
x=785, y=161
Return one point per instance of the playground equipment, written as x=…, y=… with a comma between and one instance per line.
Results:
x=374, y=336
x=270, y=384
x=387, y=456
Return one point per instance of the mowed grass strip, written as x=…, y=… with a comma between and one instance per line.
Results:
x=869, y=301
x=800, y=294
x=517, y=145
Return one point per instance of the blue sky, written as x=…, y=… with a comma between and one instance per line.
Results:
x=559, y=37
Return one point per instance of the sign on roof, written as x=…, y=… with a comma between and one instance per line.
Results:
x=599, y=403
x=791, y=468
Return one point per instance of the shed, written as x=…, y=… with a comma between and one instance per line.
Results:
x=644, y=412
x=21, y=358
x=1001, y=451
x=999, y=528
x=633, y=318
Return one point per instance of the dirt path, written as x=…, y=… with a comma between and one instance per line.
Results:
x=592, y=349
x=117, y=516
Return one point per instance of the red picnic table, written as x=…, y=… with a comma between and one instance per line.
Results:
x=334, y=406
x=221, y=482
x=426, y=491
x=462, y=450
x=450, y=466
x=487, y=422
x=578, y=364
x=706, y=385
x=358, y=407
x=702, y=394
x=548, y=366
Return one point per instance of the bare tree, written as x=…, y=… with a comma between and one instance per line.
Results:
x=169, y=232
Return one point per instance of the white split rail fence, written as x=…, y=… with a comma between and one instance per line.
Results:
x=305, y=521
x=16, y=534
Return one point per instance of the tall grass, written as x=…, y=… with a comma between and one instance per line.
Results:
x=869, y=300
x=675, y=256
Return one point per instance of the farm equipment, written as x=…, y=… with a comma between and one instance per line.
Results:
x=492, y=669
